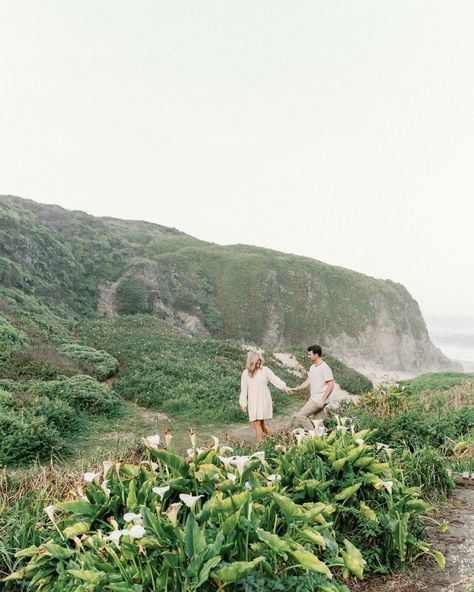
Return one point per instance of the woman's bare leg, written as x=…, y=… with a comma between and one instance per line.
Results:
x=266, y=429
x=257, y=424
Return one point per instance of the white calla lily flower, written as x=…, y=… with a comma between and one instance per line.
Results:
x=189, y=500
x=359, y=441
x=172, y=513
x=50, y=512
x=90, y=476
x=160, y=491
x=132, y=517
x=136, y=532
x=239, y=462
x=274, y=477
x=114, y=536
x=260, y=455
x=107, y=465
x=232, y=477
x=152, y=441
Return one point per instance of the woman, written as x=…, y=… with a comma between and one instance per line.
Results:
x=255, y=393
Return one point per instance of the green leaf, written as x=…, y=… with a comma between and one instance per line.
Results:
x=194, y=538
x=86, y=575
x=273, y=541
x=311, y=562
x=78, y=507
x=347, y=492
x=368, y=512
x=131, y=497
x=315, y=537
x=57, y=551
x=205, y=570
x=76, y=529
x=353, y=560
x=236, y=571
x=228, y=526
x=288, y=507
x=173, y=461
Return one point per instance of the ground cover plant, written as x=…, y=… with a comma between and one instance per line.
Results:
x=295, y=517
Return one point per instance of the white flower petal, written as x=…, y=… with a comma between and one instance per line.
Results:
x=160, y=491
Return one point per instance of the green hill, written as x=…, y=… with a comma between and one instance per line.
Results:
x=68, y=266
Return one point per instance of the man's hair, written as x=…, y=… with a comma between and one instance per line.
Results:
x=316, y=349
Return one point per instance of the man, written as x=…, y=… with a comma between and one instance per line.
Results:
x=321, y=383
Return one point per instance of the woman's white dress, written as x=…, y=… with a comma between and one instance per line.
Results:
x=255, y=394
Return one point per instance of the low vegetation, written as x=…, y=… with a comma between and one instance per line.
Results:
x=297, y=518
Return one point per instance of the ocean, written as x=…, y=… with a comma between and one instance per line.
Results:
x=454, y=336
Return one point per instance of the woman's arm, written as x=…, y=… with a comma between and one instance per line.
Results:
x=244, y=390
x=276, y=381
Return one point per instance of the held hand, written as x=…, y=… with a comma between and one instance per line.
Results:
x=289, y=390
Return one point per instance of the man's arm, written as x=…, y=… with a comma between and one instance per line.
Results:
x=328, y=391
x=301, y=386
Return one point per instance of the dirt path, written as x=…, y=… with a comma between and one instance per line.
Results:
x=457, y=545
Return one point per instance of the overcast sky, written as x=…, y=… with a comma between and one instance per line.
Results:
x=342, y=130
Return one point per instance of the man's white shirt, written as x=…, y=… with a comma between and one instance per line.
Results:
x=318, y=379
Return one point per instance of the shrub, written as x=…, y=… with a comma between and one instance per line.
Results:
x=427, y=469
x=82, y=393
x=131, y=297
x=102, y=364
x=25, y=437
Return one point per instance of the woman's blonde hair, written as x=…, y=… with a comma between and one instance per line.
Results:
x=252, y=359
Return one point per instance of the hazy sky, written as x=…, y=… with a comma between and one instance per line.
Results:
x=342, y=130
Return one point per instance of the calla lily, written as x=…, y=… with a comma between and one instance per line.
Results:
x=152, y=441
x=89, y=477
x=317, y=423
x=114, y=536
x=226, y=461
x=300, y=434
x=107, y=465
x=274, y=477
x=50, y=512
x=160, y=491
x=192, y=435
x=248, y=485
x=387, y=484
x=189, y=500
x=132, y=517
x=136, y=532
x=172, y=513
x=104, y=488
x=190, y=451
x=239, y=462
x=359, y=441
x=280, y=448
x=224, y=449
x=232, y=477
x=260, y=455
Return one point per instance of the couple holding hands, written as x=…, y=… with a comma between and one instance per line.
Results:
x=255, y=394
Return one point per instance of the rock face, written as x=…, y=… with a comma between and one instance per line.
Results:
x=80, y=266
